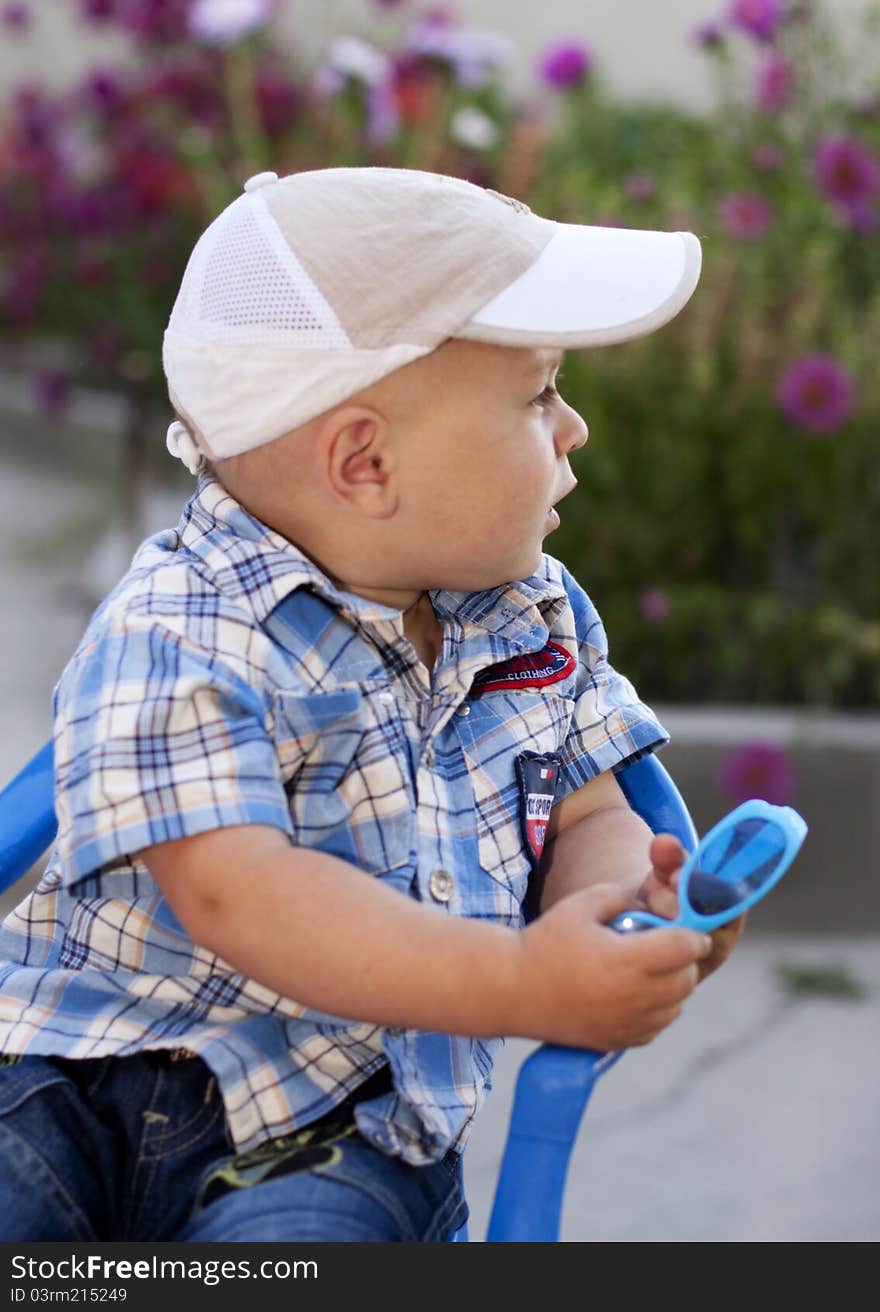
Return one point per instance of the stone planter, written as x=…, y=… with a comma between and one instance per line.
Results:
x=834, y=885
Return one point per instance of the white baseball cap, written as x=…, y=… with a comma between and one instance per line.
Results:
x=308, y=288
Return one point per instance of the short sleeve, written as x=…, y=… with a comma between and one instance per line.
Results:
x=610, y=727
x=155, y=740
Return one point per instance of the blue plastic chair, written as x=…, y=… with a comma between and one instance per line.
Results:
x=554, y=1084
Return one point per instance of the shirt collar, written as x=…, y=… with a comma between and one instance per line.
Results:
x=257, y=567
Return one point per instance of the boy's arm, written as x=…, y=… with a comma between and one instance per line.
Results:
x=595, y=837
x=318, y=930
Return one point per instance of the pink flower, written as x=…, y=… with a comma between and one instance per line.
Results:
x=156, y=21
x=25, y=282
x=566, y=65
x=760, y=18
x=280, y=101
x=816, y=393
x=221, y=22
x=848, y=177
x=15, y=17
x=709, y=36
x=654, y=605
x=53, y=392
x=768, y=157
x=746, y=215
x=773, y=88
x=470, y=52
x=758, y=769
x=99, y=11
x=639, y=186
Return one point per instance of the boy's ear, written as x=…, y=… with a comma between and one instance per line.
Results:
x=357, y=457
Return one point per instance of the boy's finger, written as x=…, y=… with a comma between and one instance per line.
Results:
x=666, y=853
x=670, y=949
x=663, y=902
x=607, y=901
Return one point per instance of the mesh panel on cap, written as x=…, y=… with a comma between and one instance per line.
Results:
x=244, y=285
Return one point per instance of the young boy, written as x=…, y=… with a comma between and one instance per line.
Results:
x=307, y=750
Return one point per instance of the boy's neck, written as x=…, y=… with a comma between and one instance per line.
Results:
x=424, y=631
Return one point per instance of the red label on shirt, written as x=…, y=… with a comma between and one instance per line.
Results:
x=537, y=776
x=534, y=669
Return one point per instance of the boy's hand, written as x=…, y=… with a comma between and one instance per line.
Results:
x=658, y=893
x=585, y=985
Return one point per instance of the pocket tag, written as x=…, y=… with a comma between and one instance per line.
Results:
x=537, y=776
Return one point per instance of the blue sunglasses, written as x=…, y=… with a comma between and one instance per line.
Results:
x=733, y=867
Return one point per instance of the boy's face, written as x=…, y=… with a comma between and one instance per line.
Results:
x=441, y=475
x=483, y=443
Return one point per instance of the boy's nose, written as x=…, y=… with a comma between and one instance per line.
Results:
x=572, y=432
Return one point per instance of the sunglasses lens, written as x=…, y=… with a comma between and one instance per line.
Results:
x=735, y=865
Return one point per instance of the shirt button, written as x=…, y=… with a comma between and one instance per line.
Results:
x=386, y=697
x=440, y=886
x=463, y=710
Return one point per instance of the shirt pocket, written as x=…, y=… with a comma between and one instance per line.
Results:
x=347, y=791
x=500, y=727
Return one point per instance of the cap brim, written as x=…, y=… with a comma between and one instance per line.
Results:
x=592, y=287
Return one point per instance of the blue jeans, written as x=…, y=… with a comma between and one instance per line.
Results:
x=136, y=1148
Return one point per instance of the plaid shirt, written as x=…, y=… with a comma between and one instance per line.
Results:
x=226, y=681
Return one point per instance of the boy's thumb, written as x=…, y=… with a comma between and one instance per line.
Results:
x=608, y=900
x=666, y=853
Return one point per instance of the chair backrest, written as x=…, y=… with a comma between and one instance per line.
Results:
x=27, y=817
x=554, y=1084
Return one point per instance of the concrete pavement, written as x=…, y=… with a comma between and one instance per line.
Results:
x=753, y=1118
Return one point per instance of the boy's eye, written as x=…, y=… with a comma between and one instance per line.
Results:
x=549, y=394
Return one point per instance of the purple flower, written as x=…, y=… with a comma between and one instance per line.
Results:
x=773, y=87
x=99, y=11
x=470, y=51
x=566, y=65
x=352, y=57
x=156, y=21
x=280, y=101
x=639, y=186
x=654, y=605
x=867, y=104
x=190, y=83
x=52, y=392
x=848, y=177
x=15, y=17
x=861, y=215
x=746, y=215
x=383, y=121
x=760, y=18
x=25, y=281
x=815, y=393
x=710, y=36
x=221, y=22
x=103, y=91
x=758, y=769
x=768, y=157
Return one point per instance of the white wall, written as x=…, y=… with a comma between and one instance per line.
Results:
x=642, y=46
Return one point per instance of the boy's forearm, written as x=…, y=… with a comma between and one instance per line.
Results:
x=388, y=958
x=609, y=846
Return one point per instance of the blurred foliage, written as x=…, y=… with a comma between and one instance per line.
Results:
x=831, y=981
x=727, y=531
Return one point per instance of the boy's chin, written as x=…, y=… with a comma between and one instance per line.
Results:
x=519, y=566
